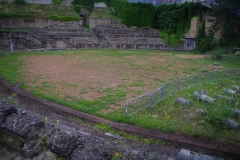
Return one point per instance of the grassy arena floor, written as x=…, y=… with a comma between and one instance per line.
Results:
x=101, y=81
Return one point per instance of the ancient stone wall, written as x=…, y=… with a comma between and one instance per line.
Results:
x=193, y=32
x=93, y=22
x=208, y=24
x=39, y=137
x=20, y=40
x=63, y=35
x=37, y=23
x=119, y=36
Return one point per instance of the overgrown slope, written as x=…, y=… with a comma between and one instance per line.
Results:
x=56, y=12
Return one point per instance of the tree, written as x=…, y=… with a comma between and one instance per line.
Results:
x=227, y=19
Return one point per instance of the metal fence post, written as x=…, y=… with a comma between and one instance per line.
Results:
x=195, y=79
x=150, y=101
x=126, y=105
x=178, y=84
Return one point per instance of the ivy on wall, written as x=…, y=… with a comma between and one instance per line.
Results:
x=63, y=18
x=174, y=19
x=57, y=2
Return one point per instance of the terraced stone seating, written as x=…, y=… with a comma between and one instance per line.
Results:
x=119, y=36
x=69, y=35
x=21, y=40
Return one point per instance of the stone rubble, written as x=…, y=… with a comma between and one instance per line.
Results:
x=36, y=137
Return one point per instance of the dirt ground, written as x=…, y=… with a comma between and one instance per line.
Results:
x=86, y=76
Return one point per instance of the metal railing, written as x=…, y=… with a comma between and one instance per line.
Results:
x=224, y=55
x=150, y=99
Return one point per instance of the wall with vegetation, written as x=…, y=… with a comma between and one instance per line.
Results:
x=24, y=22
x=33, y=11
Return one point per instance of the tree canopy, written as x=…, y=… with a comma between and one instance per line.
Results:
x=227, y=19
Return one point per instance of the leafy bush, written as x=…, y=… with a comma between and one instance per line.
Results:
x=218, y=54
x=14, y=16
x=63, y=18
x=170, y=39
x=207, y=42
x=56, y=2
x=19, y=1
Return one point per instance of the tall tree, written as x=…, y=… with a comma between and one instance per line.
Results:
x=227, y=18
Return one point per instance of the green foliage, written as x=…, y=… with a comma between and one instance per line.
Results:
x=218, y=54
x=64, y=18
x=57, y=2
x=135, y=14
x=14, y=16
x=19, y=2
x=207, y=43
x=170, y=39
x=176, y=18
x=227, y=19
x=13, y=11
x=216, y=115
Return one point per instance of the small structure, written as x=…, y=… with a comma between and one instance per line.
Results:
x=84, y=14
x=100, y=5
x=189, y=44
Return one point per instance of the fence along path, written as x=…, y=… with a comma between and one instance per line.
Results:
x=150, y=99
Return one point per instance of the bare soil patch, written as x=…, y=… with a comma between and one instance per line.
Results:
x=191, y=56
x=92, y=75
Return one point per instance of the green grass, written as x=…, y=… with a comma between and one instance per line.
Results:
x=138, y=75
x=12, y=11
x=103, y=13
x=169, y=117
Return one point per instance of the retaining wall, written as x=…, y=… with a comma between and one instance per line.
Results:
x=93, y=22
x=34, y=23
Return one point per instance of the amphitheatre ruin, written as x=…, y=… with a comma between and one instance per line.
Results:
x=75, y=89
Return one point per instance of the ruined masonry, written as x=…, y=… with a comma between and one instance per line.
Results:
x=45, y=33
x=37, y=137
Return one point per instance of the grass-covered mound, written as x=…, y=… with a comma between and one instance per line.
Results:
x=31, y=11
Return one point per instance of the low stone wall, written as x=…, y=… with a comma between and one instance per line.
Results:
x=41, y=39
x=93, y=22
x=20, y=40
x=143, y=33
x=144, y=46
x=35, y=23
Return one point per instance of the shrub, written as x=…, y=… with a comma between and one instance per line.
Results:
x=170, y=39
x=63, y=18
x=218, y=55
x=19, y=1
x=57, y=2
x=207, y=43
